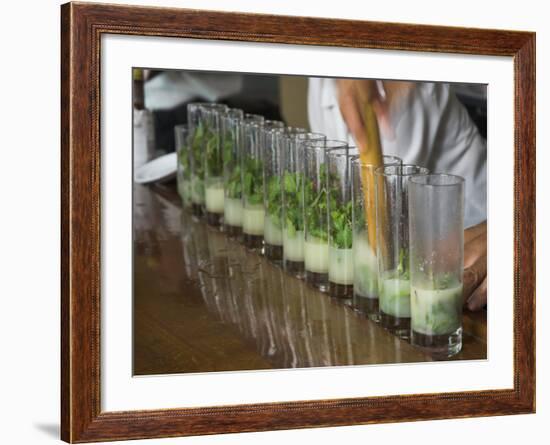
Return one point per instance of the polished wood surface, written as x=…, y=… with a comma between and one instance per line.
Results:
x=82, y=27
x=204, y=303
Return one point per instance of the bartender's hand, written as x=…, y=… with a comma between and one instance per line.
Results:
x=475, y=267
x=354, y=94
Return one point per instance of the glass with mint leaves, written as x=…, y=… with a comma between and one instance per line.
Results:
x=392, y=238
x=233, y=146
x=340, y=239
x=293, y=200
x=216, y=146
x=365, y=261
x=315, y=192
x=273, y=153
x=436, y=230
x=181, y=133
x=201, y=136
x=253, y=182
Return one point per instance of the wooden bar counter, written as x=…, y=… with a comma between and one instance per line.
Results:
x=203, y=303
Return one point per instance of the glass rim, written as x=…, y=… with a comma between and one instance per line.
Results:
x=232, y=119
x=357, y=160
x=206, y=107
x=253, y=117
x=382, y=170
x=233, y=112
x=270, y=130
x=213, y=106
x=274, y=123
x=334, y=152
x=310, y=136
x=252, y=124
x=301, y=138
x=315, y=144
x=198, y=104
x=293, y=131
x=422, y=180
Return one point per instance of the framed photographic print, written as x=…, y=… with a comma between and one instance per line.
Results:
x=275, y=222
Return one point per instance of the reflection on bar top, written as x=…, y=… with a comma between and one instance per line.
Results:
x=203, y=303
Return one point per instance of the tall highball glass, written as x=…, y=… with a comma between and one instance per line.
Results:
x=216, y=147
x=232, y=152
x=316, y=247
x=340, y=239
x=436, y=230
x=253, y=185
x=181, y=133
x=365, y=276
x=274, y=144
x=293, y=180
x=392, y=237
x=201, y=135
x=233, y=172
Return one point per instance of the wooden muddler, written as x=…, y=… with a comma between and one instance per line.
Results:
x=370, y=155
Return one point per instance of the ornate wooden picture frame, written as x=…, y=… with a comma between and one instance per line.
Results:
x=82, y=26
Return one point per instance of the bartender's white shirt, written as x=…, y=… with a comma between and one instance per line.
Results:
x=432, y=129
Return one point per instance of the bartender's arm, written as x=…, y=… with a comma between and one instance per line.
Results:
x=352, y=96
